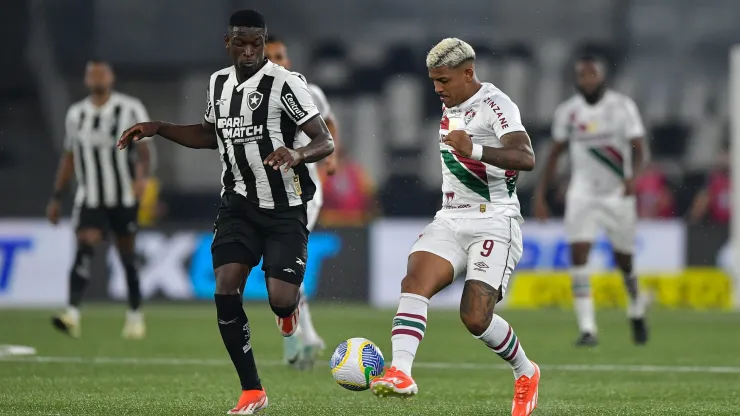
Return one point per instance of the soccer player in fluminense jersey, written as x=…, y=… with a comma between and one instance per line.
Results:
x=603, y=129
x=476, y=234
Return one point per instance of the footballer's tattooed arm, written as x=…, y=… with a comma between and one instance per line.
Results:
x=516, y=154
x=477, y=305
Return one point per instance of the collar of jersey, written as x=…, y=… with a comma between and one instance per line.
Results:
x=483, y=86
x=262, y=70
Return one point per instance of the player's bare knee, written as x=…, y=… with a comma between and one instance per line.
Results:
x=229, y=278
x=579, y=253
x=624, y=262
x=477, y=306
x=89, y=236
x=283, y=296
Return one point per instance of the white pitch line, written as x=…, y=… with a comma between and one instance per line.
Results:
x=602, y=368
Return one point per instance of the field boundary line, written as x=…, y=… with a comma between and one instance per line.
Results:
x=602, y=368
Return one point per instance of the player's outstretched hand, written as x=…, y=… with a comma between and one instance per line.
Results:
x=460, y=141
x=137, y=132
x=52, y=211
x=284, y=157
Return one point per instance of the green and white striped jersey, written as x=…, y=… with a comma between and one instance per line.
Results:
x=471, y=188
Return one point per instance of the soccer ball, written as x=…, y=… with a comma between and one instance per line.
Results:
x=355, y=363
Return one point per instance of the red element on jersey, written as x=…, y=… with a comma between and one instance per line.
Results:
x=583, y=127
x=445, y=123
x=469, y=115
x=497, y=110
x=573, y=117
x=511, y=177
x=449, y=196
x=614, y=153
x=475, y=166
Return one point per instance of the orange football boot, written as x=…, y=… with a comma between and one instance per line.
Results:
x=395, y=383
x=250, y=402
x=525, y=394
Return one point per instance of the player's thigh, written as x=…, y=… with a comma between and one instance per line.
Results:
x=620, y=223
x=581, y=220
x=435, y=260
x=494, y=253
x=123, y=220
x=313, y=209
x=286, y=245
x=236, y=239
x=90, y=224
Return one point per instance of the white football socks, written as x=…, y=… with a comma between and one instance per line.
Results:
x=305, y=323
x=409, y=326
x=584, y=302
x=500, y=337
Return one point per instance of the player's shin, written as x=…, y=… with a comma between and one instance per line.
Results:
x=132, y=280
x=80, y=274
x=234, y=328
x=584, y=303
x=635, y=304
x=305, y=323
x=409, y=326
x=500, y=338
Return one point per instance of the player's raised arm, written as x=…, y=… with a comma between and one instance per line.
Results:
x=297, y=103
x=516, y=152
x=322, y=142
x=194, y=136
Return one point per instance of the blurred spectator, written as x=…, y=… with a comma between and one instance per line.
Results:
x=349, y=195
x=654, y=197
x=713, y=202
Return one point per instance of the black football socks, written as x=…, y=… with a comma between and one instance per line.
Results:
x=234, y=328
x=79, y=275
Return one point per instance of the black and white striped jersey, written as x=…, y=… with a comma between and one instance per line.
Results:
x=254, y=118
x=105, y=175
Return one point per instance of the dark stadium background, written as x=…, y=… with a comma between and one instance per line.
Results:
x=672, y=56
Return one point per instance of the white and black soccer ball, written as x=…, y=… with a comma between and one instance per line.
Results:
x=355, y=363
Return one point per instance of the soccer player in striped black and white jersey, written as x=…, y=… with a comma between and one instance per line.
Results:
x=109, y=184
x=255, y=111
x=605, y=134
x=300, y=349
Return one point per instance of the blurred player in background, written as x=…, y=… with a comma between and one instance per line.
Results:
x=605, y=134
x=476, y=234
x=109, y=184
x=301, y=349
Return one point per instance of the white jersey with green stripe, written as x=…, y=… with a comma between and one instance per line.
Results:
x=599, y=138
x=471, y=188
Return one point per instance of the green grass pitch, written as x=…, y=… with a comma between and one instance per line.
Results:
x=690, y=367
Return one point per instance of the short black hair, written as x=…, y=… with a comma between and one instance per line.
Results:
x=247, y=18
x=273, y=39
x=591, y=58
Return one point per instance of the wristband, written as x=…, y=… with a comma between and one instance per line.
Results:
x=477, y=152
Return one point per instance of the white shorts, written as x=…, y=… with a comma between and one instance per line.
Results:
x=313, y=209
x=616, y=216
x=485, y=249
